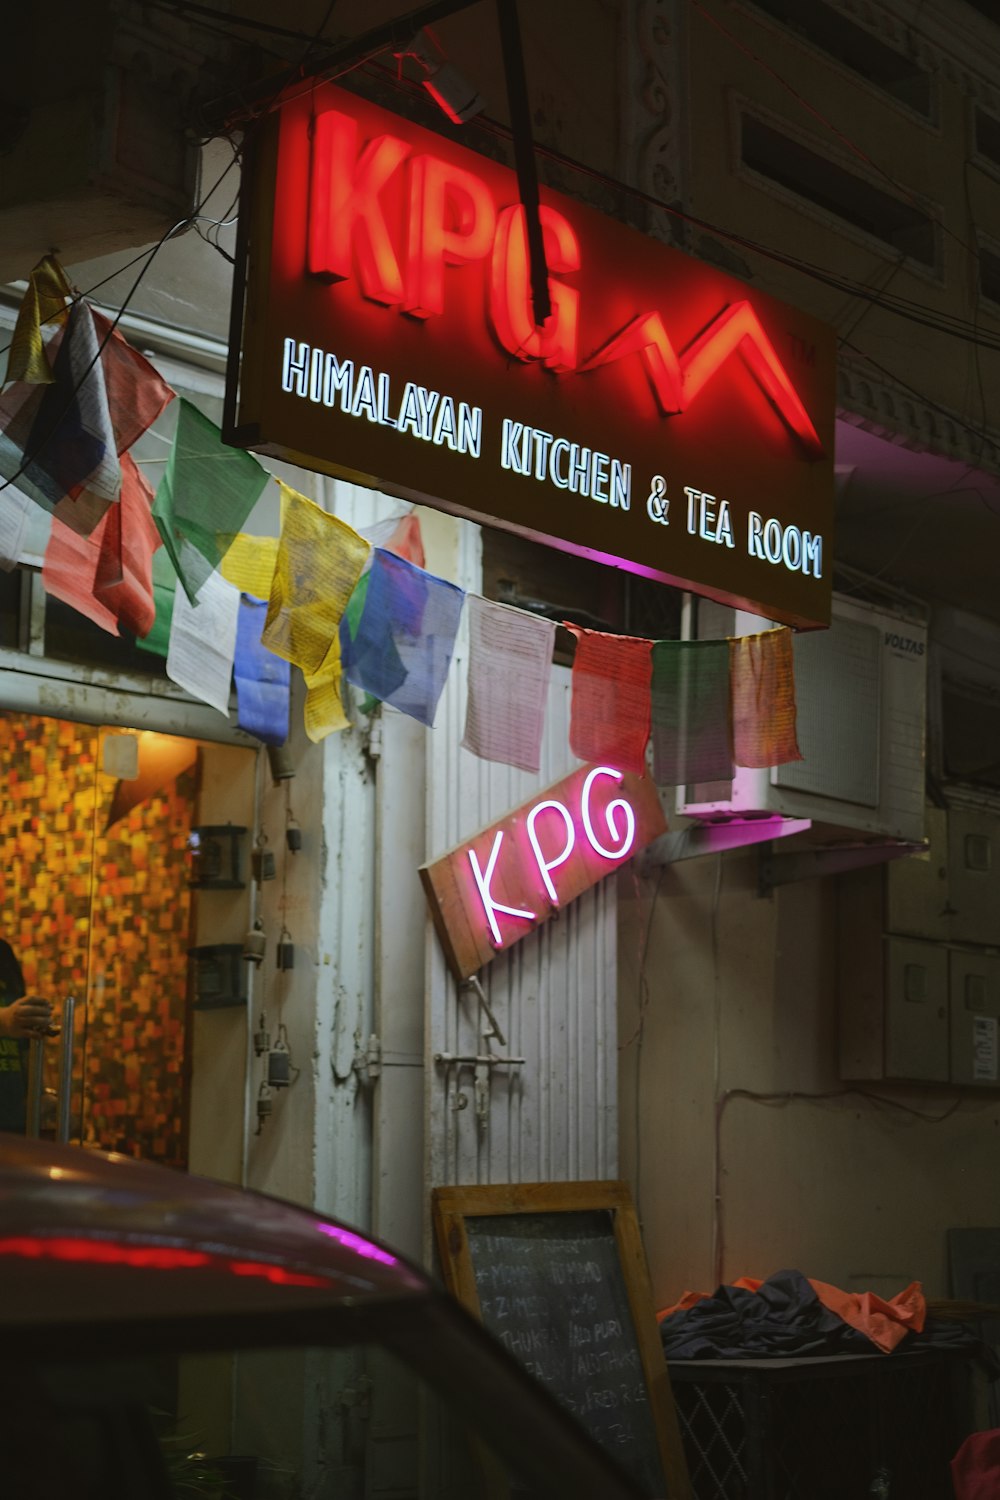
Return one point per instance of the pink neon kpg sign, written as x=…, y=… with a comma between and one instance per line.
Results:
x=498, y=886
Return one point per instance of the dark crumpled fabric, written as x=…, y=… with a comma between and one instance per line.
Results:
x=785, y=1319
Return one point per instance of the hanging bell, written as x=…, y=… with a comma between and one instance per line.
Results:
x=293, y=836
x=255, y=943
x=262, y=1038
x=279, y=1062
x=286, y=951
x=262, y=861
x=265, y=1105
x=279, y=758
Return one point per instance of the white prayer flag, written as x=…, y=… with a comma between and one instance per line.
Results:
x=510, y=665
x=15, y=508
x=203, y=641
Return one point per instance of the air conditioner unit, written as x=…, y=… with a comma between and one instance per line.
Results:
x=861, y=696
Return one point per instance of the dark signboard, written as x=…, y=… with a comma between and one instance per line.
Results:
x=667, y=419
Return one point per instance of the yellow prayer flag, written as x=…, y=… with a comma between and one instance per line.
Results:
x=43, y=304
x=320, y=559
x=324, y=710
x=249, y=563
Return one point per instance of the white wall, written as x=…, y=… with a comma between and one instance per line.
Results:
x=740, y=995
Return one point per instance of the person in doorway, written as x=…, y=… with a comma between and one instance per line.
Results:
x=22, y=1017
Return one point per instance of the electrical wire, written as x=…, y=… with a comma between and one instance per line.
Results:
x=230, y=18
x=639, y=1033
x=910, y=310
x=913, y=391
x=906, y=307
x=782, y=1100
x=190, y=219
x=53, y=427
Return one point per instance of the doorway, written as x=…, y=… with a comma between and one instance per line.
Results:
x=94, y=889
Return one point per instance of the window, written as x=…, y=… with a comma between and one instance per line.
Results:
x=562, y=587
x=10, y=608
x=987, y=8
x=987, y=136
x=989, y=274
x=891, y=71
x=900, y=226
x=970, y=732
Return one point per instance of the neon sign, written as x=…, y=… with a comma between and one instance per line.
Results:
x=389, y=337
x=452, y=220
x=510, y=878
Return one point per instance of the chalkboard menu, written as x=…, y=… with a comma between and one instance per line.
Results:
x=557, y=1274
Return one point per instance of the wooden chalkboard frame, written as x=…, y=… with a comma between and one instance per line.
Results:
x=452, y=1205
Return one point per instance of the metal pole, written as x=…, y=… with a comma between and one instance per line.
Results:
x=65, y=1090
x=524, y=154
x=33, y=1113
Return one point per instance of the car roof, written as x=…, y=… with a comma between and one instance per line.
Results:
x=87, y=1236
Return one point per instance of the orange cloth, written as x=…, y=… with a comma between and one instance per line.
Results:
x=885, y=1323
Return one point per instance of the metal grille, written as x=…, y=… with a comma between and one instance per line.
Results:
x=886, y=1428
x=713, y=1424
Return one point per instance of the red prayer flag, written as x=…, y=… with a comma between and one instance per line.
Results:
x=124, y=577
x=610, y=709
x=762, y=683
x=136, y=392
x=406, y=540
x=107, y=575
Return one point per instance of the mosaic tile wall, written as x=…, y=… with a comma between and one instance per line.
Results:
x=102, y=914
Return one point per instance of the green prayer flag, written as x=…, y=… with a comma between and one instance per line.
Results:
x=207, y=491
x=164, y=584
x=691, y=719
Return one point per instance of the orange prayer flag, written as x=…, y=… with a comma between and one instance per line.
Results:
x=762, y=684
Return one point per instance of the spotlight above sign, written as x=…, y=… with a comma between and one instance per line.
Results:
x=666, y=419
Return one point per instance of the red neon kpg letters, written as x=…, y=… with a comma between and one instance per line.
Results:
x=451, y=219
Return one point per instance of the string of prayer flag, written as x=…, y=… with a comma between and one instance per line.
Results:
x=43, y=306
x=263, y=680
x=691, y=730
x=336, y=603
x=203, y=641
x=762, y=683
x=61, y=442
x=319, y=562
x=207, y=492
x=610, y=708
x=405, y=637
x=510, y=666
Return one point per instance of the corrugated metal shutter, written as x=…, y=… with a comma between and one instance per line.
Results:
x=553, y=995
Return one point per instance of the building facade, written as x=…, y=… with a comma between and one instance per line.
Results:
x=700, y=1025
